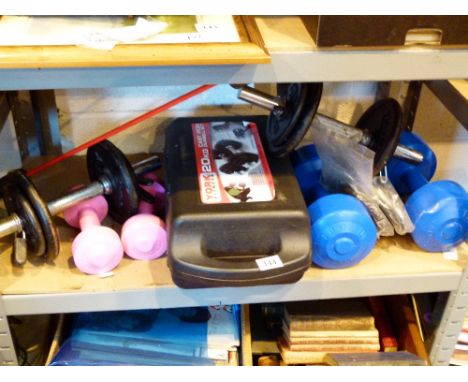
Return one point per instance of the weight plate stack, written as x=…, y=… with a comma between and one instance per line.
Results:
x=287, y=126
x=22, y=197
x=382, y=126
x=42, y=212
x=16, y=203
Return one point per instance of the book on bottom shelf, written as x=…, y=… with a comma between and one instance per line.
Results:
x=335, y=347
x=335, y=314
x=313, y=329
x=346, y=337
x=459, y=358
x=310, y=357
x=342, y=333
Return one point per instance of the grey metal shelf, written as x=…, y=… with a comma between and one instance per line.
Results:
x=172, y=296
x=395, y=266
x=306, y=66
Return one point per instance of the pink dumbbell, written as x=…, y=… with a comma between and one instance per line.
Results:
x=96, y=249
x=144, y=235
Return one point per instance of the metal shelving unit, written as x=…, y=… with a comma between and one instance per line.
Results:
x=396, y=266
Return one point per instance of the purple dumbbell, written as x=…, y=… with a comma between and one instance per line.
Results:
x=144, y=235
x=96, y=249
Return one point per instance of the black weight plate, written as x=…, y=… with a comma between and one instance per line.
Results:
x=298, y=126
x=281, y=123
x=49, y=230
x=16, y=202
x=105, y=160
x=381, y=123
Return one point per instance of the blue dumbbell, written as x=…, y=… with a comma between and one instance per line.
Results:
x=343, y=233
x=439, y=210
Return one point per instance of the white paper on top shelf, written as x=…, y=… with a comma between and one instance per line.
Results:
x=106, y=39
x=103, y=32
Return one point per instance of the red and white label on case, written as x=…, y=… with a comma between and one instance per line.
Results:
x=222, y=178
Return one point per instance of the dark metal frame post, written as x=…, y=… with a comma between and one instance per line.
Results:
x=410, y=104
x=36, y=122
x=47, y=120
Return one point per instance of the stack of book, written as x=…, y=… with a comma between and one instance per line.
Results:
x=312, y=329
x=182, y=336
x=460, y=354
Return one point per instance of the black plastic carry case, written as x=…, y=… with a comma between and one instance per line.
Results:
x=238, y=243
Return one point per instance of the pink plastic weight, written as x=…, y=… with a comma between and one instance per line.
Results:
x=96, y=249
x=144, y=235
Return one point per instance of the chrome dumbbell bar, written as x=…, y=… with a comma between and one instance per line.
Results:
x=12, y=224
x=276, y=105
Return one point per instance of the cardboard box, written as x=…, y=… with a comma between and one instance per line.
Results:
x=387, y=31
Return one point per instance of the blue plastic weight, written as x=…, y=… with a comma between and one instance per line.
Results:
x=343, y=233
x=439, y=210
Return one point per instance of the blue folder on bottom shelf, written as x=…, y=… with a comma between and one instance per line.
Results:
x=182, y=336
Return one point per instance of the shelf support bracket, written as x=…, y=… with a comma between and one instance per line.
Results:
x=446, y=336
x=7, y=348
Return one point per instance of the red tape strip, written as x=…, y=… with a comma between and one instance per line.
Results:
x=119, y=129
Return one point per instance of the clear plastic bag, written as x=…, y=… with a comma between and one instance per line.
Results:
x=372, y=203
x=347, y=166
x=392, y=205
